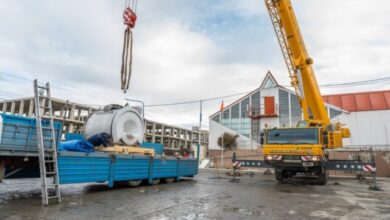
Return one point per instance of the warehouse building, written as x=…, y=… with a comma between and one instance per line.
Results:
x=366, y=114
x=368, y=117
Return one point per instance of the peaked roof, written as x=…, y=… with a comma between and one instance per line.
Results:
x=263, y=85
x=269, y=81
x=362, y=101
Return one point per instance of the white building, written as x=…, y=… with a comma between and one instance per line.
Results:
x=279, y=107
x=367, y=115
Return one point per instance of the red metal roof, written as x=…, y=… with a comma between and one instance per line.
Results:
x=362, y=101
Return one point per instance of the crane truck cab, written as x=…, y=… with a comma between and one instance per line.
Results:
x=295, y=150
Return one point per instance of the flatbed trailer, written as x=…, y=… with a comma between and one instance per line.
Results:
x=18, y=143
x=76, y=167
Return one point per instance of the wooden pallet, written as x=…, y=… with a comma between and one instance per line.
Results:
x=119, y=149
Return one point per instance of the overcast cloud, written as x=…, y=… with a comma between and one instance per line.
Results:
x=183, y=50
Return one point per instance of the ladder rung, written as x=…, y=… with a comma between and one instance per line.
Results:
x=47, y=128
x=50, y=161
x=52, y=185
x=46, y=138
x=49, y=150
x=51, y=172
x=42, y=87
x=45, y=107
x=53, y=197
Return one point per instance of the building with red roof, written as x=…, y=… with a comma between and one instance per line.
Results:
x=366, y=114
x=361, y=101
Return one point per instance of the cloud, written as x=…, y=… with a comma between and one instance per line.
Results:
x=347, y=38
x=183, y=50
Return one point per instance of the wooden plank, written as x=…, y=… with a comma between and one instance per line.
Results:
x=119, y=149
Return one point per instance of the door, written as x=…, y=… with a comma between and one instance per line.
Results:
x=269, y=105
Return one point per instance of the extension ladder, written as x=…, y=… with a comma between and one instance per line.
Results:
x=50, y=190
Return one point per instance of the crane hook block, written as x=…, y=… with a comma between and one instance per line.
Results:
x=129, y=17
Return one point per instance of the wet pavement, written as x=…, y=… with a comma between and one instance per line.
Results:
x=204, y=197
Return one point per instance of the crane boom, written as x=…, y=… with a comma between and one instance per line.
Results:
x=298, y=62
x=303, y=149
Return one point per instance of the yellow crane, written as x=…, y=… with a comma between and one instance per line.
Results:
x=302, y=149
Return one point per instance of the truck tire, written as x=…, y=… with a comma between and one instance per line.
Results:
x=155, y=181
x=279, y=176
x=169, y=180
x=323, y=177
x=134, y=183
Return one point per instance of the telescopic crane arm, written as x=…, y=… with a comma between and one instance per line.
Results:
x=302, y=76
x=298, y=62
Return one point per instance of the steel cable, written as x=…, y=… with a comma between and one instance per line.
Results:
x=127, y=59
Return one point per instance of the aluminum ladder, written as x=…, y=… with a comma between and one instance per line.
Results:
x=48, y=165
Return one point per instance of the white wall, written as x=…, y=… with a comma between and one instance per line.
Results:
x=243, y=142
x=216, y=131
x=367, y=128
x=202, y=149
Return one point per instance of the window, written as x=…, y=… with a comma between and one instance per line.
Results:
x=255, y=99
x=235, y=118
x=245, y=120
x=296, y=111
x=284, y=110
x=334, y=112
x=269, y=83
x=236, y=111
x=216, y=118
x=226, y=118
x=244, y=108
x=293, y=136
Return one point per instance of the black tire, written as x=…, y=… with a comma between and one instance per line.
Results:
x=279, y=176
x=134, y=183
x=323, y=177
x=155, y=181
x=169, y=180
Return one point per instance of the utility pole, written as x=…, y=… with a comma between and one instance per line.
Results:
x=222, y=136
x=200, y=129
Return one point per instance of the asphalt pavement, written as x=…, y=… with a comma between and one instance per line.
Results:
x=206, y=196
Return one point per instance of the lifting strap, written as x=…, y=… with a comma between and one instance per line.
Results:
x=130, y=18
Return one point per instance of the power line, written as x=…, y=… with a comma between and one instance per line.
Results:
x=356, y=83
x=57, y=87
x=364, y=82
x=197, y=101
x=11, y=93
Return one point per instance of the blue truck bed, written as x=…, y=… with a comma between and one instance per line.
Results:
x=18, y=138
x=75, y=167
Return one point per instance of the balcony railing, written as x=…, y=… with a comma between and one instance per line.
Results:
x=263, y=111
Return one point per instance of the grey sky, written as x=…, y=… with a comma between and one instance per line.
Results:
x=184, y=50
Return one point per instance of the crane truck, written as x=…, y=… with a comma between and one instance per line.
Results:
x=302, y=149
